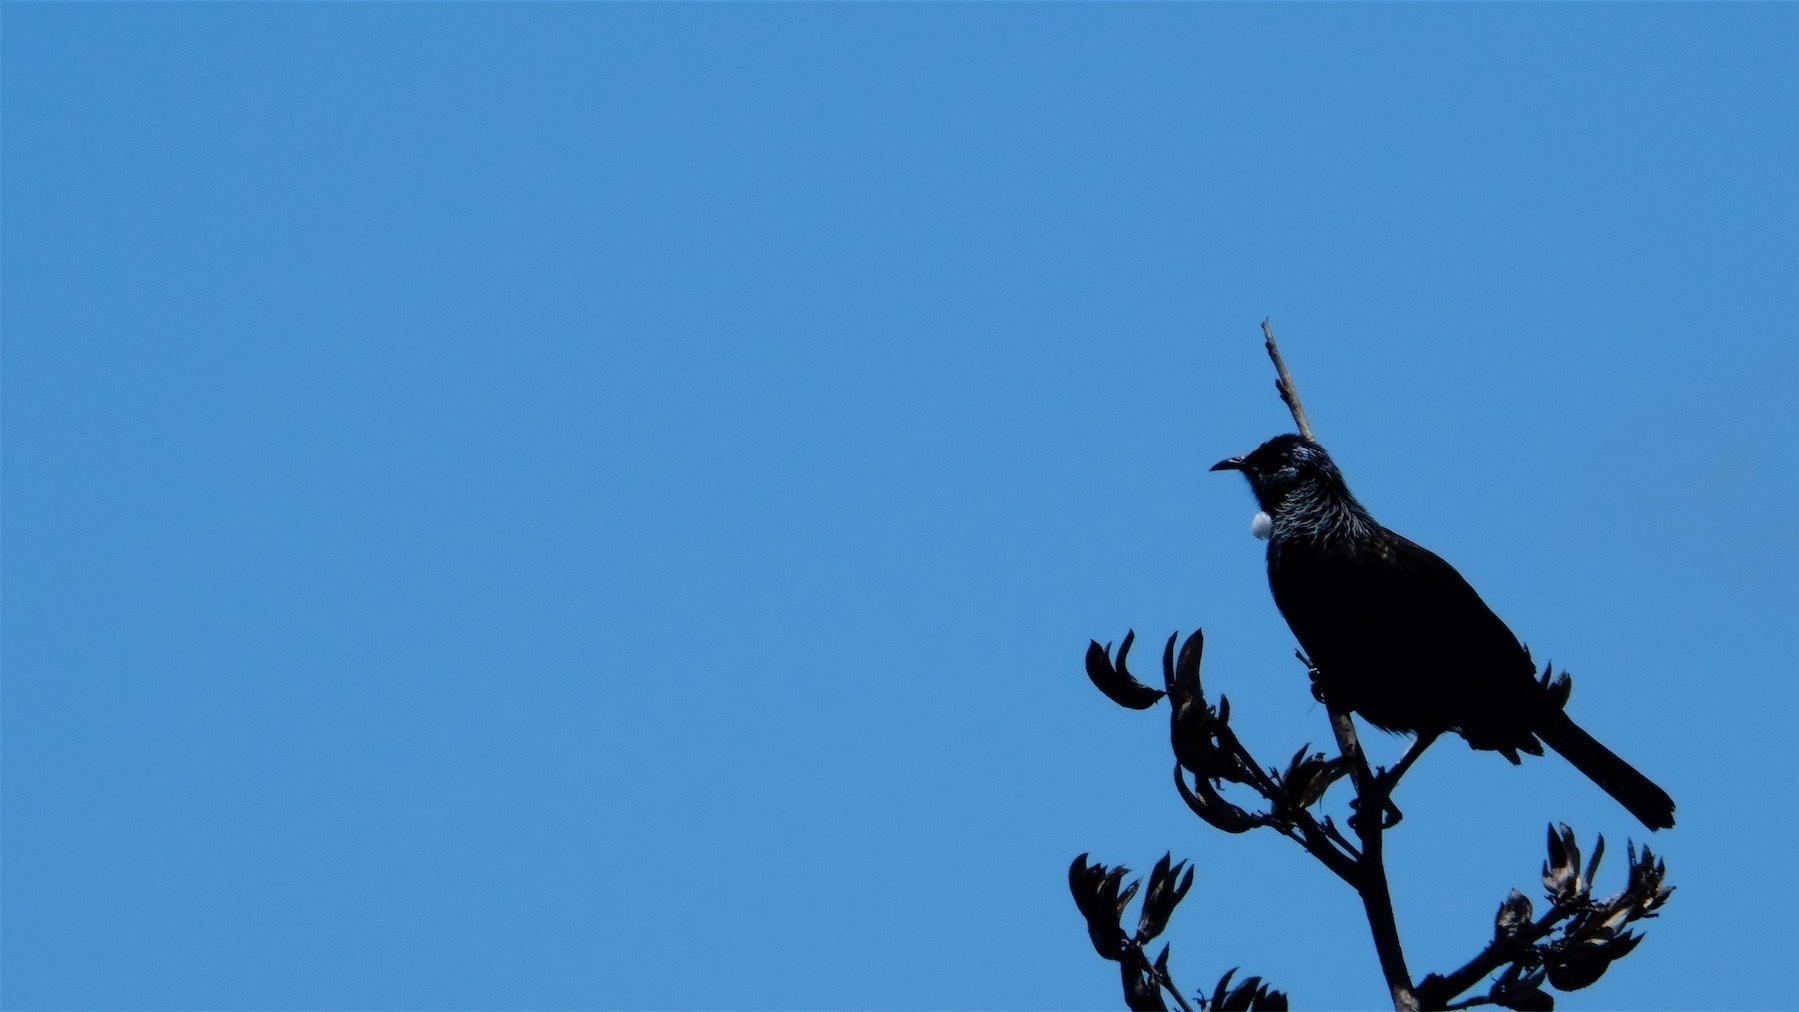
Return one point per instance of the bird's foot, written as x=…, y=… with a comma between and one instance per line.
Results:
x=1316, y=676
x=1386, y=780
x=1390, y=815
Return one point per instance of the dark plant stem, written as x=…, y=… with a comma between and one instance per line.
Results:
x=1161, y=979
x=1436, y=991
x=1327, y=846
x=1372, y=794
x=1371, y=872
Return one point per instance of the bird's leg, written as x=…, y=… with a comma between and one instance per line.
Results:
x=1377, y=785
x=1316, y=676
x=1385, y=780
x=1390, y=815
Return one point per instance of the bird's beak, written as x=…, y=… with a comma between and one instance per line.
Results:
x=1232, y=464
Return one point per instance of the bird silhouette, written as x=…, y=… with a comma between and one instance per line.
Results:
x=1399, y=637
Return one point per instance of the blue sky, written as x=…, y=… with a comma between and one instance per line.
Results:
x=602, y=506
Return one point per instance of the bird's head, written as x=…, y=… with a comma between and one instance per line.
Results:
x=1282, y=465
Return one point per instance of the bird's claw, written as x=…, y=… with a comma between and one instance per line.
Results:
x=1390, y=815
x=1316, y=677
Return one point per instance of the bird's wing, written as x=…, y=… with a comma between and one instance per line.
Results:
x=1401, y=630
x=1417, y=582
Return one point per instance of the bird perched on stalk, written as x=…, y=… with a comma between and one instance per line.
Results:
x=1397, y=636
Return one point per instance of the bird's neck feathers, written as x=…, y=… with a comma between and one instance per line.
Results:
x=1321, y=508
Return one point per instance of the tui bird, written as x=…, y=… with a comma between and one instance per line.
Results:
x=1398, y=636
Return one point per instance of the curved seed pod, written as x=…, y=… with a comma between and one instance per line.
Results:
x=1561, y=873
x=1186, y=668
x=1250, y=996
x=1117, y=682
x=1584, y=963
x=1533, y=999
x=1208, y=805
x=1513, y=915
x=1166, y=890
x=1095, y=890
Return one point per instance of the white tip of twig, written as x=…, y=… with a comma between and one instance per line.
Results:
x=1262, y=526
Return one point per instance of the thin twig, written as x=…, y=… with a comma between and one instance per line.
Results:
x=1344, y=863
x=1284, y=382
x=1260, y=780
x=1140, y=962
x=1331, y=830
x=1167, y=983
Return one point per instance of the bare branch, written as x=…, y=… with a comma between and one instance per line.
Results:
x=1283, y=382
x=1377, y=899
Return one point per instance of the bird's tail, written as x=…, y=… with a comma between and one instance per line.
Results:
x=1650, y=804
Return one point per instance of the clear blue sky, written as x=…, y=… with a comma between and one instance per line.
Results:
x=565, y=505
